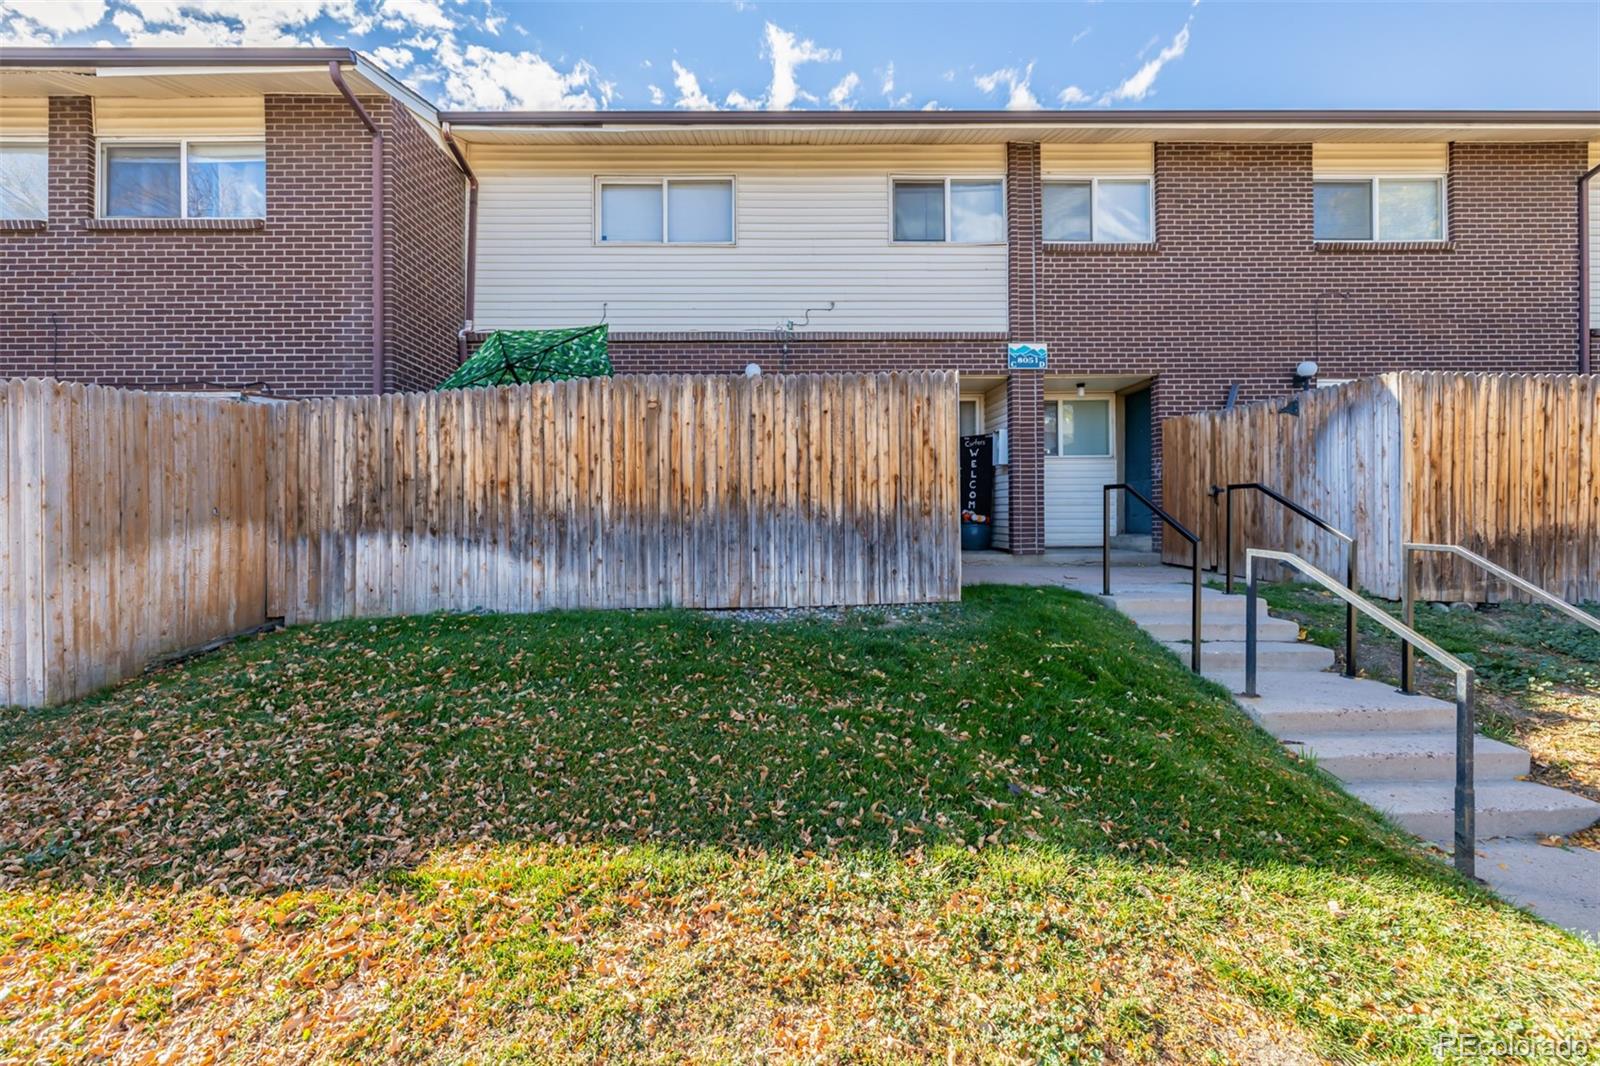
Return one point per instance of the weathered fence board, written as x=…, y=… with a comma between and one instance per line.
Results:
x=130, y=528
x=1507, y=465
x=133, y=525
x=692, y=491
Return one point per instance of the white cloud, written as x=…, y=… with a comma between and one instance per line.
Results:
x=787, y=54
x=1081, y=34
x=393, y=59
x=486, y=79
x=1074, y=95
x=740, y=102
x=422, y=14
x=657, y=97
x=227, y=23
x=58, y=16
x=888, y=89
x=690, y=97
x=839, y=95
x=1019, y=95
x=1144, y=79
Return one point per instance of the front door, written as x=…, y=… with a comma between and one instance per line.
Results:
x=1136, y=459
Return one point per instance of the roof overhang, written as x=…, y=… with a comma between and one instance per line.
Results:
x=1000, y=127
x=173, y=73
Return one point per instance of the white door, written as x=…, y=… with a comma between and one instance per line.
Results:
x=1080, y=459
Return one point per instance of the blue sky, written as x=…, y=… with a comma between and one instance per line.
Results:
x=496, y=54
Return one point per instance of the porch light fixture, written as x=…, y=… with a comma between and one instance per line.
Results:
x=1080, y=389
x=752, y=370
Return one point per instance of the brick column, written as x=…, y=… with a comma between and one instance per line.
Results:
x=71, y=179
x=1025, y=427
x=1024, y=388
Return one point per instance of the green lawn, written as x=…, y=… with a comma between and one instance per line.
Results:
x=1010, y=829
x=1538, y=673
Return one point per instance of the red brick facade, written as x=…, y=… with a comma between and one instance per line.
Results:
x=283, y=304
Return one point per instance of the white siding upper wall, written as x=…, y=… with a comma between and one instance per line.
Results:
x=1365, y=160
x=1094, y=160
x=216, y=116
x=812, y=225
x=24, y=116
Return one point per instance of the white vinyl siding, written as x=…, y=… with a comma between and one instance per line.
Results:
x=813, y=227
x=1097, y=160
x=24, y=116
x=994, y=420
x=208, y=116
x=1074, y=487
x=1365, y=160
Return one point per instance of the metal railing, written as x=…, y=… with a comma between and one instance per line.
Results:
x=1465, y=827
x=1182, y=531
x=1322, y=524
x=1408, y=593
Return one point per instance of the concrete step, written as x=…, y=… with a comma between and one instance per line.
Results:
x=1295, y=703
x=1270, y=655
x=1389, y=756
x=1176, y=599
x=1504, y=808
x=1170, y=628
x=1560, y=885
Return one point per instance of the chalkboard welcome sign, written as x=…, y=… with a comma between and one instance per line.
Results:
x=977, y=474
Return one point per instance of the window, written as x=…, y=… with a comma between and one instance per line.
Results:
x=1379, y=209
x=184, y=179
x=1077, y=427
x=1099, y=210
x=666, y=211
x=971, y=417
x=24, y=179
x=969, y=210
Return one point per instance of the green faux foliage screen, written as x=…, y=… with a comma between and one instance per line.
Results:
x=517, y=357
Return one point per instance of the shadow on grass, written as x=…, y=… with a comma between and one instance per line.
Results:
x=330, y=755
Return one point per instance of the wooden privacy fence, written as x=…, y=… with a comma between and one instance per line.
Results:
x=1507, y=465
x=690, y=490
x=133, y=525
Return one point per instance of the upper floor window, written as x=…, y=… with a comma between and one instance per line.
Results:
x=1099, y=211
x=1379, y=209
x=948, y=210
x=24, y=179
x=183, y=179
x=665, y=211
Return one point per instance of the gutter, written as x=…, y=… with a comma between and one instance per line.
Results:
x=377, y=222
x=472, y=241
x=1583, y=268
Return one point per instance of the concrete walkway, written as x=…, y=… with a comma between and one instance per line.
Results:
x=1394, y=751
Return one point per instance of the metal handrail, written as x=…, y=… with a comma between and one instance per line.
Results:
x=1182, y=530
x=1409, y=594
x=1465, y=827
x=1322, y=524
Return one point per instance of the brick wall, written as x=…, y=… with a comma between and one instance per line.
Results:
x=284, y=304
x=425, y=258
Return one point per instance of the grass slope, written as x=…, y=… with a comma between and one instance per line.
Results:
x=1006, y=829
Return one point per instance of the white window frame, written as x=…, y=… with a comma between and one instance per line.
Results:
x=947, y=179
x=35, y=141
x=103, y=172
x=1111, y=426
x=1377, y=232
x=977, y=421
x=663, y=181
x=1093, y=181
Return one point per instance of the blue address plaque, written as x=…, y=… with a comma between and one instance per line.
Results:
x=1027, y=356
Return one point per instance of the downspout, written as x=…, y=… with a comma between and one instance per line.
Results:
x=377, y=222
x=1584, y=253
x=472, y=241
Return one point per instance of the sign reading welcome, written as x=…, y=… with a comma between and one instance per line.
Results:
x=1027, y=356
